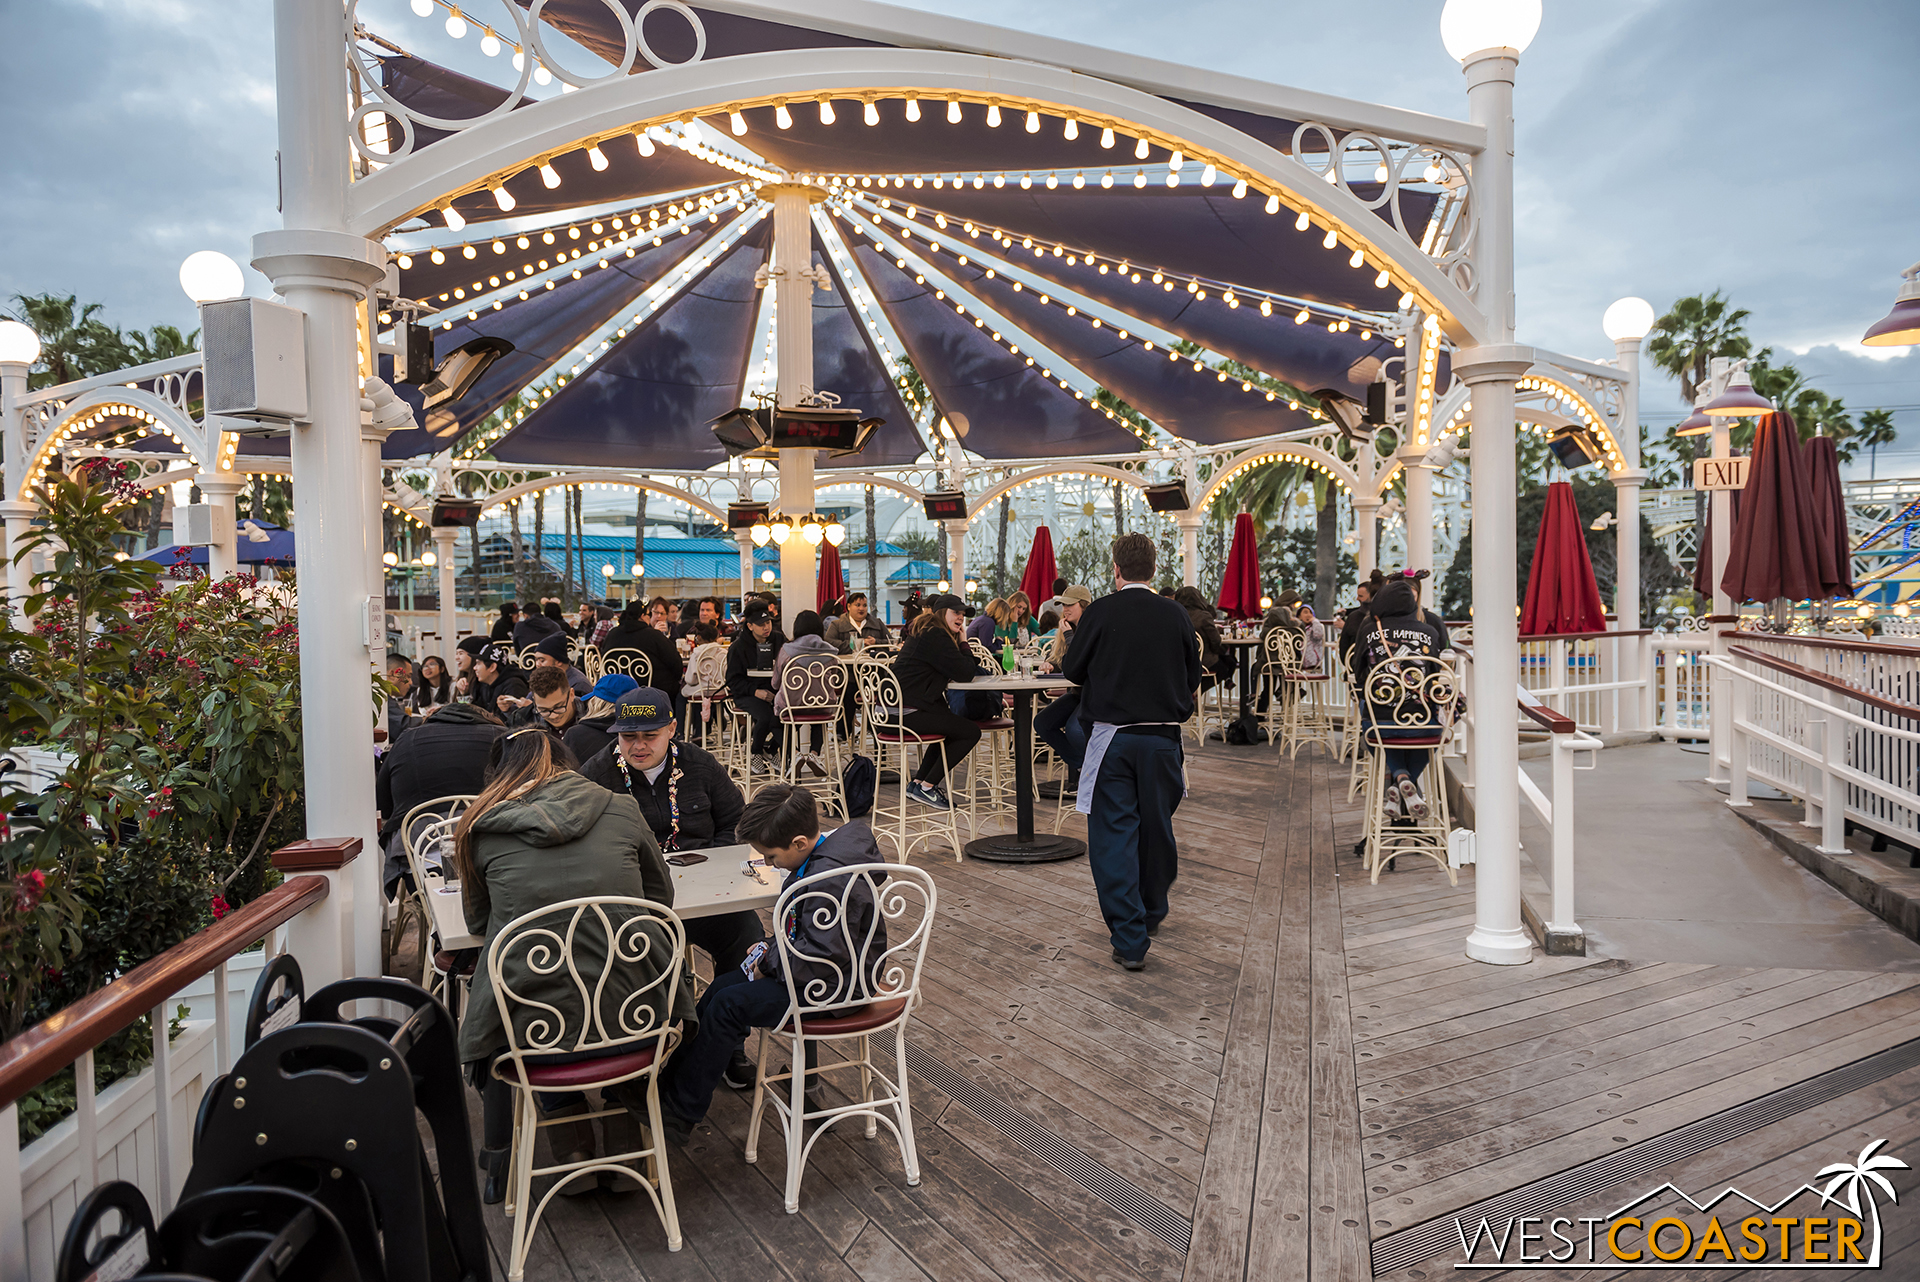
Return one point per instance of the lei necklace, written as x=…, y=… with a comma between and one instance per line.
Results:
x=674, y=775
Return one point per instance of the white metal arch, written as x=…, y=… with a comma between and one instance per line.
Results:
x=468, y=160
x=1297, y=451
x=835, y=480
x=1450, y=413
x=89, y=408
x=564, y=480
x=1013, y=483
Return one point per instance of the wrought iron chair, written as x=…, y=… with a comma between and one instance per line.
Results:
x=882, y=914
x=814, y=689
x=906, y=822
x=632, y=663
x=1407, y=704
x=1298, y=699
x=423, y=831
x=620, y=1035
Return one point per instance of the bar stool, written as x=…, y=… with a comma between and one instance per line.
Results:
x=813, y=687
x=1409, y=704
x=880, y=692
x=1298, y=694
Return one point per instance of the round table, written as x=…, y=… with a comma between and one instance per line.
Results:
x=1244, y=666
x=1023, y=845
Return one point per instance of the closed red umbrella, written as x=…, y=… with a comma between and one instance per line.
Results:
x=1830, y=517
x=1240, y=586
x=831, y=584
x=1775, y=551
x=1037, y=582
x=1562, y=595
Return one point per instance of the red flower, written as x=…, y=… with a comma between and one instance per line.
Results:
x=28, y=887
x=219, y=908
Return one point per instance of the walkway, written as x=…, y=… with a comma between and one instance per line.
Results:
x=1307, y=1082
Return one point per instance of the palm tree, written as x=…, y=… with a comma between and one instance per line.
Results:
x=161, y=343
x=1694, y=331
x=74, y=342
x=1861, y=1176
x=1876, y=429
x=873, y=555
x=1000, y=556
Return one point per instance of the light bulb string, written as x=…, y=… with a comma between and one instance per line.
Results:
x=1208, y=360
x=632, y=215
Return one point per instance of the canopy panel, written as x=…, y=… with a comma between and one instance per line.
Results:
x=1012, y=409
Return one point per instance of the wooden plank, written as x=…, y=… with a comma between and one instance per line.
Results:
x=875, y=1257
x=1223, y=1212
x=1337, y=1215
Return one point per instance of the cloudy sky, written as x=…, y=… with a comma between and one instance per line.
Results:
x=1665, y=147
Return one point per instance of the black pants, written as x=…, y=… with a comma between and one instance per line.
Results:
x=1130, y=844
x=725, y=937
x=959, y=733
x=766, y=726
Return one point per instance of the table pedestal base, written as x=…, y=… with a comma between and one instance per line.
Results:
x=1012, y=848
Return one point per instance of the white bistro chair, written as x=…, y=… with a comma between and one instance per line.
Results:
x=882, y=916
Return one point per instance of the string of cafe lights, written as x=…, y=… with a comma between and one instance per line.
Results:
x=503, y=294
x=625, y=225
x=1338, y=320
x=1200, y=365
x=897, y=251
x=589, y=350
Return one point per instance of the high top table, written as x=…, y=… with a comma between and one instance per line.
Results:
x=1023, y=845
x=1244, y=665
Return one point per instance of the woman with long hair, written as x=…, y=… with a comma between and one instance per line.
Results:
x=432, y=685
x=1019, y=619
x=933, y=654
x=540, y=833
x=987, y=624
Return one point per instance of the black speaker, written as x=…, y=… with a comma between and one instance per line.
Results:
x=1574, y=447
x=1168, y=496
x=456, y=512
x=744, y=516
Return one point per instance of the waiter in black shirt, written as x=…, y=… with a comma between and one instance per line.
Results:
x=1137, y=663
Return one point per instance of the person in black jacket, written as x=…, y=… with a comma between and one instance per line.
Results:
x=934, y=653
x=1137, y=665
x=1396, y=628
x=503, y=687
x=782, y=823
x=503, y=626
x=533, y=628
x=443, y=756
x=753, y=650
x=633, y=632
x=552, y=652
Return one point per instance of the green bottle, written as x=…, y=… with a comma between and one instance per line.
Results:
x=1006, y=657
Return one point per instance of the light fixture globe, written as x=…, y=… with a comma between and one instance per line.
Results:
x=761, y=532
x=208, y=274
x=836, y=533
x=390, y=558
x=429, y=559
x=1739, y=400
x=1901, y=326
x=1628, y=318
x=606, y=571
x=639, y=569
x=19, y=345
x=1469, y=26
x=813, y=532
x=766, y=576
x=780, y=530
x=943, y=585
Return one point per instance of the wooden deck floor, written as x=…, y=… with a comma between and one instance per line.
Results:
x=1308, y=1077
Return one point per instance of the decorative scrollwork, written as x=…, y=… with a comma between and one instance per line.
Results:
x=587, y=974
x=852, y=936
x=1412, y=693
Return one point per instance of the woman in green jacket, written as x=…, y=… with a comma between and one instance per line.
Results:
x=540, y=834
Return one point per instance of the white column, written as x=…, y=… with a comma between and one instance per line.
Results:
x=1366, y=530
x=1190, y=522
x=445, y=539
x=1720, y=519
x=220, y=489
x=1626, y=489
x=17, y=512
x=745, y=539
x=373, y=503
x=324, y=270
x=957, y=554
x=1491, y=371
x=1419, y=517
x=793, y=343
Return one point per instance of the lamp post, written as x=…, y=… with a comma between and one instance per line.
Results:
x=1732, y=398
x=19, y=349
x=1626, y=323
x=1488, y=37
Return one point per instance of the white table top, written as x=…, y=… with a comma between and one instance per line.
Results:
x=1012, y=682
x=1239, y=640
x=700, y=890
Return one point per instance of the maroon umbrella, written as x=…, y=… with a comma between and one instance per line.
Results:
x=1830, y=517
x=1562, y=595
x=1037, y=582
x=1775, y=550
x=1240, y=586
x=831, y=584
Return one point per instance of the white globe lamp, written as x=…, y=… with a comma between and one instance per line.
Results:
x=1628, y=318
x=639, y=569
x=606, y=571
x=766, y=576
x=19, y=345
x=1469, y=26
x=210, y=274
x=813, y=532
x=836, y=533
x=429, y=559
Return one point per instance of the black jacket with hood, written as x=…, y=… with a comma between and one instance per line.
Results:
x=1395, y=627
x=822, y=962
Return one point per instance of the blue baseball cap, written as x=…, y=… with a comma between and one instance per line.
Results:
x=613, y=687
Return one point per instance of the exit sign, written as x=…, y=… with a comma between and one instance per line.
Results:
x=1720, y=473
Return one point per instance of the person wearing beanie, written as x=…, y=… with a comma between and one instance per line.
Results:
x=464, y=682
x=632, y=632
x=552, y=652
x=502, y=687
x=1396, y=629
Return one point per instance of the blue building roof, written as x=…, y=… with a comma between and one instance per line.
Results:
x=916, y=572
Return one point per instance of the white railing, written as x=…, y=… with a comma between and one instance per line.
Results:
x=1682, y=685
x=1849, y=752
x=1599, y=679
x=139, y=1128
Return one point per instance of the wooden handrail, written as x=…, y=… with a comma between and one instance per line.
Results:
x=1803, y=673
x=55, y=1042
x=1833, y=643
x=1543, y=716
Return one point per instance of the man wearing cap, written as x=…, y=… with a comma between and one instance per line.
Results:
x=552, y=653
x=753, y=650
x=464, y=682
x=1136, y=661
x=686, y=798
x=1058, y=724
x=591, y=730
x=502, y=687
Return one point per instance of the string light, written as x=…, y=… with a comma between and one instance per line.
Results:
x=826, y=110
x=913, y=108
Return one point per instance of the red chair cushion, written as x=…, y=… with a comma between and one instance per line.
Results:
x=590, y=1072
x=870, y=1016
x=443, y=962
x=791, y=715
x=995, y=723
x=1424, y=741
x=894, y=734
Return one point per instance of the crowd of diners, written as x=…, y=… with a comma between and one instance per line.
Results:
x=586, y=788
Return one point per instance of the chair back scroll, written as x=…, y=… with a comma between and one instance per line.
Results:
x=813, y=683
x=1413, y=693
x=880, y=917
x=628, y=662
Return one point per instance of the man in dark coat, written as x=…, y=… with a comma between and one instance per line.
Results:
x=1137, y=665
x=533, y=628
x=552, y=652
x=753, y=650
x=633, y=632
x=443, y=756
